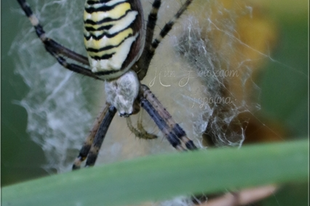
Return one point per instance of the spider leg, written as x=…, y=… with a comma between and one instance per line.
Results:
x=173, y=132
x=54, y=48
x=151, y=23
x=95, y=137
x=149, y=50
x=72, y=67
x=146, y=57
x=169, y=26
x=171, y=137
x=104, y=126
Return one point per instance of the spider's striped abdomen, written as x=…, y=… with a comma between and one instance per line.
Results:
x=113, y=35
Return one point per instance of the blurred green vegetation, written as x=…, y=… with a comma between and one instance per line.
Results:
x=284, y=83
x=284, y=86
x=165, y=176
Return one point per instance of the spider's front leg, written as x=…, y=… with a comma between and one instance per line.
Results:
x=54, y=48
x=150, y=43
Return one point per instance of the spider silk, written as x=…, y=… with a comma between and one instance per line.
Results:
x=198, y=73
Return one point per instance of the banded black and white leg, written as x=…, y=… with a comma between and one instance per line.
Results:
x=172, y=131
x=151, y=44
x=95, y=137
x=146, y=57
x=55, y=49
x=168, y=26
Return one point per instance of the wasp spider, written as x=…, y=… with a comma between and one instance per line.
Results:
x=120, y=48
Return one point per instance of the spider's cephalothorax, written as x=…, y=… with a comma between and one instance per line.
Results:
x=114, y=39
x=120, y=49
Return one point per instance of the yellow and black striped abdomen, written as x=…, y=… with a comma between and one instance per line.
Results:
x=112, y=35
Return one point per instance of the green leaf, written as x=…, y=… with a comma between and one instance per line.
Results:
x=160, y=177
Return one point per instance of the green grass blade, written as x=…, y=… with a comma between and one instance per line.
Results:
x=161, y=177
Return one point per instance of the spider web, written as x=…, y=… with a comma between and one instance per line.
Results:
x=198, y=74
